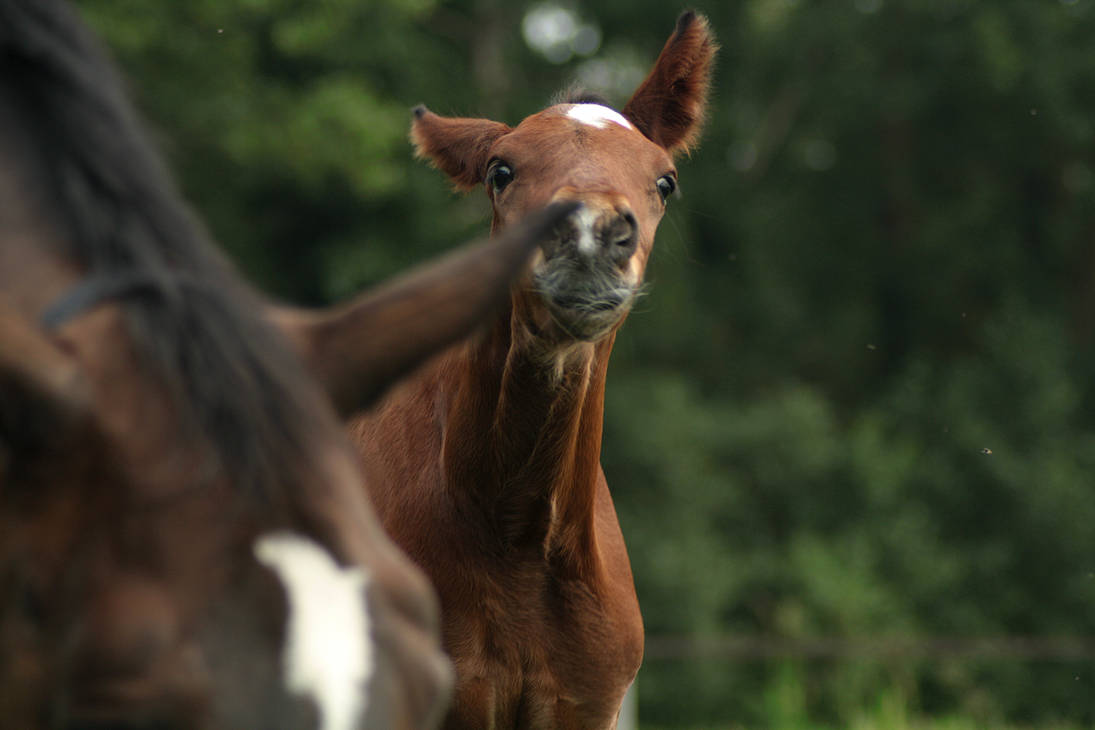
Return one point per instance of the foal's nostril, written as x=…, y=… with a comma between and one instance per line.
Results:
x=621, y=235
x=631, y=228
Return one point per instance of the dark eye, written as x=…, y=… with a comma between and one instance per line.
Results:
x=667, y=185
x=499, y=175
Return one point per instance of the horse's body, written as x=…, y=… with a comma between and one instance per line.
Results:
x=487, y=463
x=185, y=540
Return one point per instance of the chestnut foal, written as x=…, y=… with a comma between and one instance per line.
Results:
x=487, y=462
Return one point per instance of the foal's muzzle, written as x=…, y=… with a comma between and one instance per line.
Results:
x=585, y=276
x=602, y=231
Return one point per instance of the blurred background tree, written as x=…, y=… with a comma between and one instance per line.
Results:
x=854, y=405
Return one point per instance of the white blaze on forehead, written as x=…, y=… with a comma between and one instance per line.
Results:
x=596, y=115
x=328, y=653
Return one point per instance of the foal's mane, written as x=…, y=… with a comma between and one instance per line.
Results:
x=116, y=210
x=579, y=95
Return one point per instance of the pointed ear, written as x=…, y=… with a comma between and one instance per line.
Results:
x=455, y=145
x=361, y=348
x=669, y=106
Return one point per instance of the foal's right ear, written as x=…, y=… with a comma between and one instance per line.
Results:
x=669, y=105
x=458, y=146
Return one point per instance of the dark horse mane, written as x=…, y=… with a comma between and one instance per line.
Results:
x=579, y=95
x=107, y=192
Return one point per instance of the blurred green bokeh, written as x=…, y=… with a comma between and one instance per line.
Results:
x=858, y=401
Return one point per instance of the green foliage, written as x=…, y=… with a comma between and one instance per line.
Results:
x=857, y=402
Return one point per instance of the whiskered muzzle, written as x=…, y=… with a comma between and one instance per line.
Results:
x=586, y=277
x=586, y=298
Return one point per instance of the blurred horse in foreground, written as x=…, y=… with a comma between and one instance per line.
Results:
x=487, y=463
x=185, y=535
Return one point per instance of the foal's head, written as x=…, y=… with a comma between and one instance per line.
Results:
x=619, y=165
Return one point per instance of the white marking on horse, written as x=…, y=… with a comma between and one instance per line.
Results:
x=597, y=115
x=584, y=219
x=328, y=653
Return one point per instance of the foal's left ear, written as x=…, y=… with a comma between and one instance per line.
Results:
x=669, y=106
x=458, y=146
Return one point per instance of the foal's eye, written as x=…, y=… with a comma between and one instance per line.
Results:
x=667, y=185
x=499, y=175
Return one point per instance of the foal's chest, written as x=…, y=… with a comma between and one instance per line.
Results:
x=553, y=661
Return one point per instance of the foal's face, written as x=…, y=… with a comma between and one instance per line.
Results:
x=619, y=165
x=588, y=275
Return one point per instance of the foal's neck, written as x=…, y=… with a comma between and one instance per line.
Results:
x=542, y=406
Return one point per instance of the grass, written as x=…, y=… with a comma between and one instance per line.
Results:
x=783, y=705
